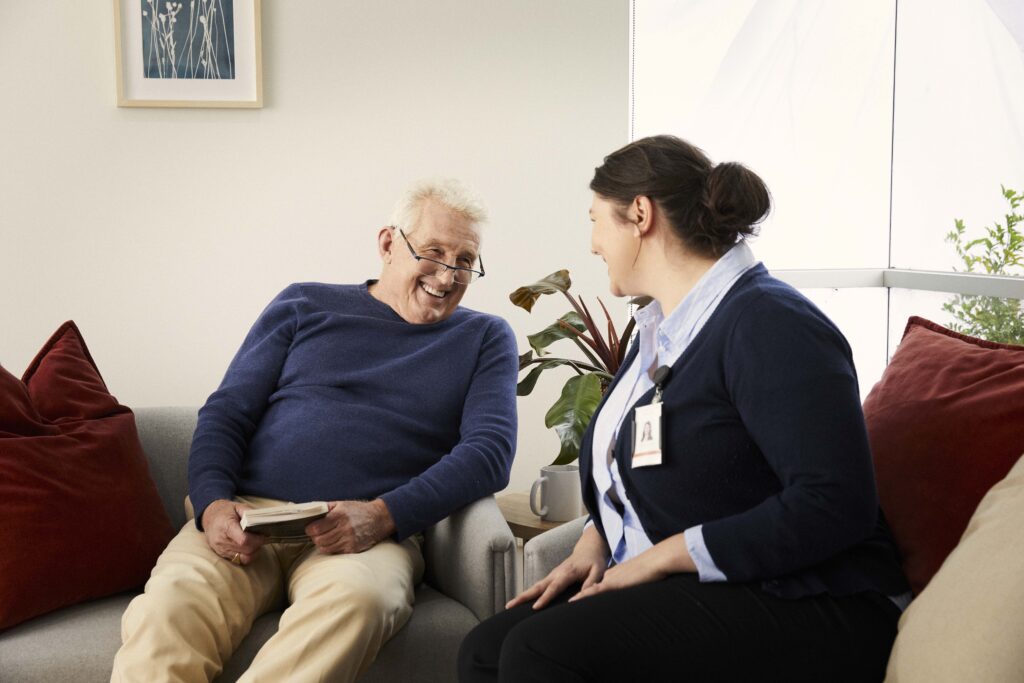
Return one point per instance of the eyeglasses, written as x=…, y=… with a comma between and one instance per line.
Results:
x=429, y=266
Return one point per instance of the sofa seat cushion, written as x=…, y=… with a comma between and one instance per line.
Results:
x=968, y=624
x=82, y=518
x=945, y=424
x=427, y=648
x=79, y=643
x=76, y=643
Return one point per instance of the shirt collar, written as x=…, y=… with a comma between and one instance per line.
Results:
x=675, y=332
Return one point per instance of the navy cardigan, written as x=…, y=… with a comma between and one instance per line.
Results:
x=764, y=444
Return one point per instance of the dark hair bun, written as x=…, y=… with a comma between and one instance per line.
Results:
x=734, y=201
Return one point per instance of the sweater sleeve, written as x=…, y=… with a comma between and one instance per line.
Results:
x=230, y=416
x=480, y=462
x=790, y=374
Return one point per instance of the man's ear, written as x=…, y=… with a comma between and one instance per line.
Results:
x=385, y=243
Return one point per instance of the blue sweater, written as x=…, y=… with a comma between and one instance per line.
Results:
x=764, y=444
x=333, y=396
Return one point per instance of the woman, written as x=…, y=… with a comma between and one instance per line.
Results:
x=746, y=543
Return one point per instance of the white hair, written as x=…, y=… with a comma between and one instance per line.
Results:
x=448, y=192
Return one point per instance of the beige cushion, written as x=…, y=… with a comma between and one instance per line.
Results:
x=968, y=624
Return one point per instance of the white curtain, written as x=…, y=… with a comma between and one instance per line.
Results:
x=959, y=124
x=831, y=101
x=800, y=91
x=1011, y=13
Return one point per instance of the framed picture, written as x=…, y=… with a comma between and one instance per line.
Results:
x=188, y=53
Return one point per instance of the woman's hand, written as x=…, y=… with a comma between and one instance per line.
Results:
x=587, y=564
x=223, y=530
x=670, y=556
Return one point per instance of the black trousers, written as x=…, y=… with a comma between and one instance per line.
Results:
x=679, y=629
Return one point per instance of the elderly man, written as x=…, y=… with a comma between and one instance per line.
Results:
x=386, y=399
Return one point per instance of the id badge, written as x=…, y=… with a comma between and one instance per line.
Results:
x=647, y=435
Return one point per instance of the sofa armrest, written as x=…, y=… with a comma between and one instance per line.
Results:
x=470, y=556
x=166, y=436
x=545, y=552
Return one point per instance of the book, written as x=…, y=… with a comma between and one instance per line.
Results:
x=283, y=523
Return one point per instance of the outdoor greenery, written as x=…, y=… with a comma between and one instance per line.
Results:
x=603, y=352
x=999, y=252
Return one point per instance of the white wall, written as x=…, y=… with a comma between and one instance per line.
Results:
x=163, y=233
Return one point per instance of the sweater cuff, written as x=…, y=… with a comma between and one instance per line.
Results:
x=201, y=500
x=406, y=524
x=707, y=570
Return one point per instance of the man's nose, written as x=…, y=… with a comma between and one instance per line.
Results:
x=446, y=275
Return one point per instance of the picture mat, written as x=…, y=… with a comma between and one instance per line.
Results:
x=137, y=90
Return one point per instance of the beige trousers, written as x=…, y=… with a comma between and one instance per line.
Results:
x=197, y=607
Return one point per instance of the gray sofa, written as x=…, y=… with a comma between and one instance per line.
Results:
x=546, y=551
x=470, y=574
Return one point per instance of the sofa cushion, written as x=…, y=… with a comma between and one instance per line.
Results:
x=968, y=624
x=81, y=516
x=945, y=424
x=76, y=643
x=79, y=643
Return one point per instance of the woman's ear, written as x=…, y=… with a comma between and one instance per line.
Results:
x=643, y=210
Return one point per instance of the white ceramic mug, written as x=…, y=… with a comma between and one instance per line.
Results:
x=560, y=497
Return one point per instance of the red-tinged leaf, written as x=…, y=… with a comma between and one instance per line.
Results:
x=599, y=344
x=612, y=334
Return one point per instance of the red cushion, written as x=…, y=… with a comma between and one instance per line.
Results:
x=81, y=517
x=946, y=422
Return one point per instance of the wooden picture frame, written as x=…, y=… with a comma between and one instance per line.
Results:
x=188, y=53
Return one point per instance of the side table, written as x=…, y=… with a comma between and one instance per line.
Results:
x=515, y=508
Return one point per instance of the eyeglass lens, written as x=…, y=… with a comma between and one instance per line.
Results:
x=463, y=277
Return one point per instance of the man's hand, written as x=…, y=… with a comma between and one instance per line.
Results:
x=224, y=535
x=587, y=564
x=351, y=526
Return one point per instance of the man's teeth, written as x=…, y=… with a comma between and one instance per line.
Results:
x=432, y=292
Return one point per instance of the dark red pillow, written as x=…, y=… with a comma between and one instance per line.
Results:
x=946, y=422
x=80, y=517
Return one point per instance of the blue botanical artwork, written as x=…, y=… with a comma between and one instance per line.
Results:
x=194, y=41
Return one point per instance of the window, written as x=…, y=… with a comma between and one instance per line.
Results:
x=875, y=125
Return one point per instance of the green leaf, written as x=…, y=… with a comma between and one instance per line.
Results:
x=995, y=319
x=571, y=414
x=526, y=297
x=525, y=387
x=554, y=332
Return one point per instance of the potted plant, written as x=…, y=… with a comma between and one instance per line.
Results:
x=603, y=350
x=999, y=252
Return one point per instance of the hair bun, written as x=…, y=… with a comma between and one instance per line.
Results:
x=734, y=201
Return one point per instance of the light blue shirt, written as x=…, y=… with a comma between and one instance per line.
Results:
x=662, y=341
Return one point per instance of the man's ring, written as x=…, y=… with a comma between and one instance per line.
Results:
x=237, y=559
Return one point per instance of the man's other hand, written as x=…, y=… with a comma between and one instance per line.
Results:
x=351, y=526
x=222, y=526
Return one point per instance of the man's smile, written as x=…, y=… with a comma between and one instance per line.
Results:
x=437, y=293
